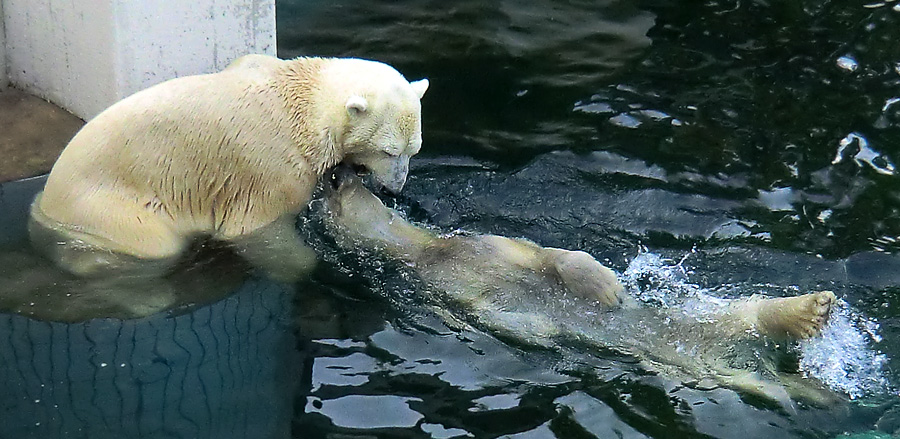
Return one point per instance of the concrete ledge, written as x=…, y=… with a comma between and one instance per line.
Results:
x=32, y=134
x=4, y=79
x=84, y=56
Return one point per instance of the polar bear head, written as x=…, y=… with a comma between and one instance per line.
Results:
x=382, y=118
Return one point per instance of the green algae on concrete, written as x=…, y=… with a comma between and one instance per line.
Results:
x=32, y=134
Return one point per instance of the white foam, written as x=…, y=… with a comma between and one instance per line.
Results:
x=843, y=357
x=657, y=281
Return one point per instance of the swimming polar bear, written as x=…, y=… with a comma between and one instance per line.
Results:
x=518, y=289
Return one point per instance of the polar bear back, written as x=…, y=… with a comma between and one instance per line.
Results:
x=227, y=155
x=191, y=150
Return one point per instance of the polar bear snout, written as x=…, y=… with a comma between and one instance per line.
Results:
x=389, y=171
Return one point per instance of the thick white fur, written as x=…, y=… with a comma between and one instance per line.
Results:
x=228, y=155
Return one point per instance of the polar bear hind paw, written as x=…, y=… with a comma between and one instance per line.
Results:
x=798, y=317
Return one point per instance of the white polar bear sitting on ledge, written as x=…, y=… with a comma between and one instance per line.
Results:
x=233, y=155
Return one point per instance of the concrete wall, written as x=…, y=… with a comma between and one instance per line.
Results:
x=85, y=55
x=4, y=80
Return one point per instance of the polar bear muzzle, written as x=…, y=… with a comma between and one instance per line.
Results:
x=390, y=171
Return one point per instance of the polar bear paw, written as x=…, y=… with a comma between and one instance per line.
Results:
x=798, y=317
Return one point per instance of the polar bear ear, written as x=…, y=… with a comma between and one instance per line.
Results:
x=419, y=87
x=356, y=105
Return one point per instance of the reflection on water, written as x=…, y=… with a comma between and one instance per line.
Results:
x=227, y=370
x=33, y=286
x=219, y=363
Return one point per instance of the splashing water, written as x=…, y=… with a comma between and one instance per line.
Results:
x=657, y=281
x=842, y=358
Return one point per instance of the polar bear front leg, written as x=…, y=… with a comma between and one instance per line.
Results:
x=585, y=276
x=277, y=249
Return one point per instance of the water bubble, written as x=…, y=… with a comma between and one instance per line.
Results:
x=847, y=63
x=842, y=357
x=658, y=281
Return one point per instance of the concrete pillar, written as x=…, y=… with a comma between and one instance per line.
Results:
x=86, y=55
x=4, y=79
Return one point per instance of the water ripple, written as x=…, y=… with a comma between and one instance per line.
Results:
x=865, y=155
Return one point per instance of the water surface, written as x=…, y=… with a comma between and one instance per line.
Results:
x=752, y=145
x=718, y=148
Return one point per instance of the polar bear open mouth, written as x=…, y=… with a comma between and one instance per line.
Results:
x=342, y=173
x=345, y=171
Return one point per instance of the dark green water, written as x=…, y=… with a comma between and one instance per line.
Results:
x=725, y=147
x=756, y=139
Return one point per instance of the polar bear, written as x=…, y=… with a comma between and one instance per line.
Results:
x=233, y=155
x=518, y=289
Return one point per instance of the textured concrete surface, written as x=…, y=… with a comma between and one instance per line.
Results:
x=4, y=79
x=84, y=56
x=32, y=134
